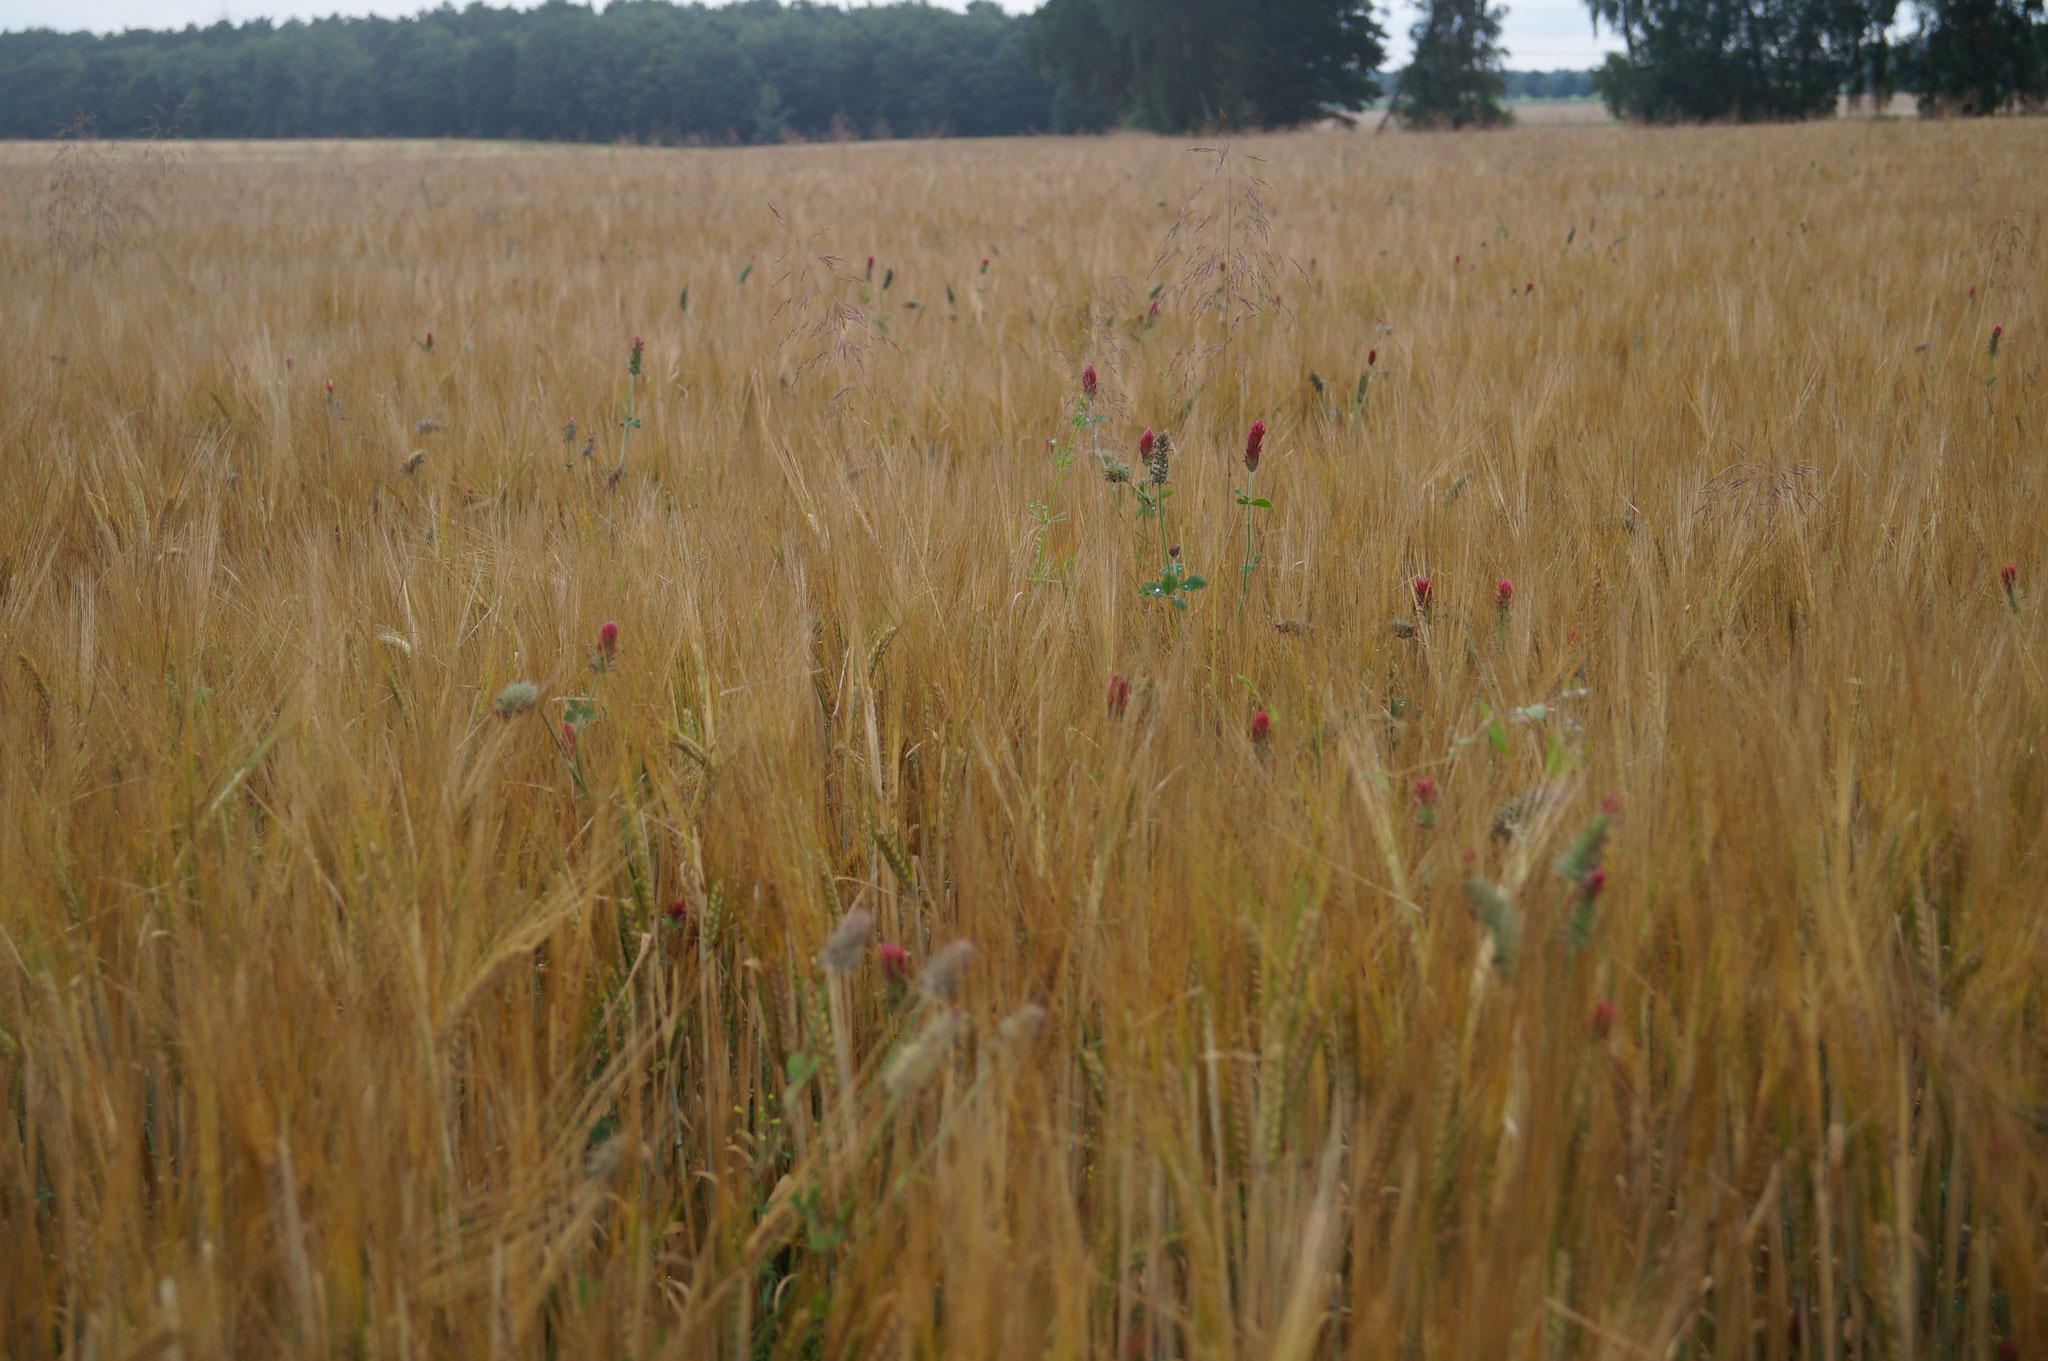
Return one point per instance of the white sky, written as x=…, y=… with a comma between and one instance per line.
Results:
x=1544, y=35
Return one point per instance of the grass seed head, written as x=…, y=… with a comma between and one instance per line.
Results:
x=517, y=698
x=910, y=1067
x=1021, y=1027
x=848, y=941
x=942, y=973
x=1158, y=456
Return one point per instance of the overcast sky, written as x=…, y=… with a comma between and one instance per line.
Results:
x=1543, y=35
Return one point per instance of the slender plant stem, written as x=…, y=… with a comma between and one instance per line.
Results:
x=1244, y=578
x=626, y=425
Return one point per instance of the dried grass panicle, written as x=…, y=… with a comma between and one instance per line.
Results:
x=98, y=198
x=822, y=328
x=1217, y=265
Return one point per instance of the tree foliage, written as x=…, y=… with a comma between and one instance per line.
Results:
x=1980, y=56
x=1454, y=79
x=649, y=69
x=1700, y=60
x=1179, y=65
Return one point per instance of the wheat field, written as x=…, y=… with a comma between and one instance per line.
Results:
x=901, y=937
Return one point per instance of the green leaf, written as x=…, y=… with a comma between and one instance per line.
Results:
x=1495, y=733
x=1195, y=582
x=1262, y=503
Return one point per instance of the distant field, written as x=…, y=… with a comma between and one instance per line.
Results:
x=1549, y=112
x=1568, y=883
x=1898, y=106
x=1552, y=112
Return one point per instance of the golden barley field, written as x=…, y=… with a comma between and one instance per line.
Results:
x=904, y=938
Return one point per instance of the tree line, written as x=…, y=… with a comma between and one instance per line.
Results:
x=1180, y=64
x=761, y=70
x=1694, y=60
x=755, y=71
